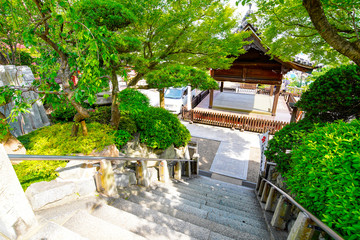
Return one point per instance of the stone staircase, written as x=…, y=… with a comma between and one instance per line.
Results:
x=199, y=208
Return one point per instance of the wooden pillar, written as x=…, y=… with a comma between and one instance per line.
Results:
x=162, y=98
x=276, y=99
x=294, y=114
x=271, y=90
x=211, y=99
x=221, y=86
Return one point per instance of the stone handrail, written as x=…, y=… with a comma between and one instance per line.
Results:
x=305, y=223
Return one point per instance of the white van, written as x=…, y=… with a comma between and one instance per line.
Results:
x=176, y=98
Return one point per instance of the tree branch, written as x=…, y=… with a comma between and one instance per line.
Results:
x=329, y=33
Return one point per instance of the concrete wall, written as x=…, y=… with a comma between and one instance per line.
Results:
x=26, y=123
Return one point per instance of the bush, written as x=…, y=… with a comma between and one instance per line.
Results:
x=159, y=128
x=100, y=114
x=333, y=95
x=121, y=138
x=126, y=123
x=324, y=176
x=63, y=113
x=280, y=147
x=132, y=101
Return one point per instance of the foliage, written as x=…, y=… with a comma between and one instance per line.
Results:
x=325, y=176
x=132, y=101
x=195, y=33
x=63, y=113
x=4, y=129
x=283, y=23
x=57, y=140
x=280, y=147
x=127, y=124
x=100, y=114
x=179, y=76
x=159, y=128
x=121, y=138
x=333, y=95
x=29, y=172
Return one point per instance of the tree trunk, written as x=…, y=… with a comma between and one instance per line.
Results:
x=115, y=112
x=3, y=60
x=82, y=113
x=135, y=80
x=330, y=33
x=162, y=98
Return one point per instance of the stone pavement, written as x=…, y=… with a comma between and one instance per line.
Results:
x=232, y=157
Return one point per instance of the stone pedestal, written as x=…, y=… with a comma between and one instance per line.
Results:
x=16, y=214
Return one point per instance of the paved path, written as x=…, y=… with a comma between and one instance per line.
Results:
x=232, y=157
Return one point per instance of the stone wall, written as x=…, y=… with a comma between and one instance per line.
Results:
x=37, y=118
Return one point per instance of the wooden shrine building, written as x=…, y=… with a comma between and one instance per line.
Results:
x=256, y=67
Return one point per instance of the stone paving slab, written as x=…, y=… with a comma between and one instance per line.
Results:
x=232, y=157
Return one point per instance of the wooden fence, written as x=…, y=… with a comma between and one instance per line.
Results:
x=199, y=98
x=233, y=121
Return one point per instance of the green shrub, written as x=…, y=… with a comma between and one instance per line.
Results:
x=57, y=140
x=132, y=101
x=63, y=113
x=280, y=147
x=333, y=95
x=100, y=114
x=121, y=138
x=159, y=128
x=29, y=172
x=325, y=176
x=126, y=123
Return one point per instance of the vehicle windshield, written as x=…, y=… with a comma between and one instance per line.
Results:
x=173, y=93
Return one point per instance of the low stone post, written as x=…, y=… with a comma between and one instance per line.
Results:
x=105, y=179
x=141, y=173
x=16, y=214
x=177, y=171
x=195, y=158
x=261, y=188
x=164, y=172
x=301, y=229
x=281, y=213
x=271, y=200
x=265, y=192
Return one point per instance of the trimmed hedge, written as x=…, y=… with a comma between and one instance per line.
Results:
x=333, y=95
x=132, y=101
x=159, y=128
x=324, y=176
x=284, y=141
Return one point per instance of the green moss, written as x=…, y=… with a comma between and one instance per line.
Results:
x=57, y=140
x=29, y=172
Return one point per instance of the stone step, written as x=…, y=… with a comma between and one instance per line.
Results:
x=60, y=214
x=52, y=231
x=199, y=213
x=244, y=217
x=209, y=182
x=95, y=228
x=214, y=199
x=163, y=219
x=212, y=196
x=238, y=195
x=138, y=225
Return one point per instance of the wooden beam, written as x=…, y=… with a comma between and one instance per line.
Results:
x=276, y=99
x=211, y=98
x=248, y=80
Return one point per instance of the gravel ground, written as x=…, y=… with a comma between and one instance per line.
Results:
x=207, y=150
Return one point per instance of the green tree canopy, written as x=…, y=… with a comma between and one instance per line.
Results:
x=325, y=30
x=195, y=33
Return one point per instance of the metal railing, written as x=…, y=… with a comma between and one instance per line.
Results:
x=308, y=214
x=21, y=157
